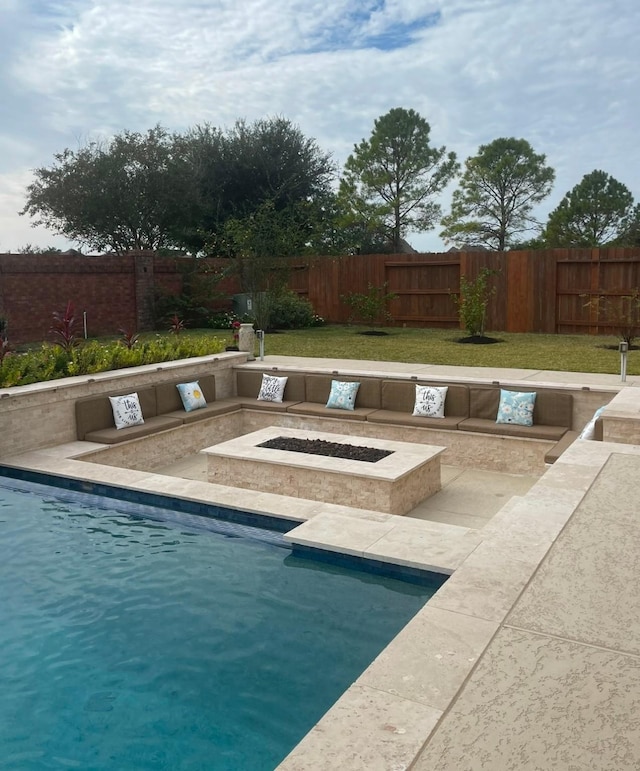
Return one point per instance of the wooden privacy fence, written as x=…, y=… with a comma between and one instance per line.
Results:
x=535, y=290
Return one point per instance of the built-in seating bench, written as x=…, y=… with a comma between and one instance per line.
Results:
x=379, y=401
x=387, y=401
x=162, y=409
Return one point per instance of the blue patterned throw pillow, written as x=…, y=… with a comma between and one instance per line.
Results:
x=192, y=396
x=516, y=407
x=272, y=389
x=343, y=395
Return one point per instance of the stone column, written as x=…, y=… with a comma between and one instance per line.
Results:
x=247, y=339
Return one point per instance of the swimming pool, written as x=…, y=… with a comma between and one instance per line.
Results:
x=171, y=641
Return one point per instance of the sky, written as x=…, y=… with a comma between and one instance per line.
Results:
x=562, y=74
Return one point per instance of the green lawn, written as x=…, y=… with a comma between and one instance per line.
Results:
x=573, y=353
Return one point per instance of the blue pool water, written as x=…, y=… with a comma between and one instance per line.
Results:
x=132, y=643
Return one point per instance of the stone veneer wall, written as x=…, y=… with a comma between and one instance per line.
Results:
x=43, y=414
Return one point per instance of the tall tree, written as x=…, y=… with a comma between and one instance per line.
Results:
x=498, y=190
x=238, y=171
x=391, y=179
x=597, y=211
x=124, y=194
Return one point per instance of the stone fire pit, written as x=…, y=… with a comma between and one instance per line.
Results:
x=395, y=484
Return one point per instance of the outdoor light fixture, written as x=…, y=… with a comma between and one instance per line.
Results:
x=260, y=336
x=623, y=347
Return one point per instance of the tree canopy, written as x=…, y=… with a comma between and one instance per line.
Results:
x=159, y=190
x=238, y=171
x=597, y=211
x=120, y=195
x=390, y=180
x=497, y=192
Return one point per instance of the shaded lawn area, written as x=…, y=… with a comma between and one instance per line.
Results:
x=573, y=353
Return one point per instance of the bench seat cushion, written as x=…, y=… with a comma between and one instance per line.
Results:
x=248, y=384
x=115, y=435
x=221, y=407
x=551, y=408
x=318, y=388
x=168, y=397
x=251, y=403
x=394, y=417
x=320, y=411
x=559, y=447
x=400, y=396
x=94, y=413
x=487, y=426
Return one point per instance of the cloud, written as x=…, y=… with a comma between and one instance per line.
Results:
x=563, y=75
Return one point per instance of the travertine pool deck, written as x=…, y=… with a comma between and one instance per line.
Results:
x=529, y=656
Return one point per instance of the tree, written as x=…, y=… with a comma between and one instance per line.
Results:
x=597, y=211
x=262, y=244
x=391, y=179
x=238, y=171
x=124, y=194
x=630, y=233
x=497, y=192
x=31, y=249
x=159, y=190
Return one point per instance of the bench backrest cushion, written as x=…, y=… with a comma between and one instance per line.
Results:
x=318, y=388
x=552, y=408
x=168, y=396
x=400, y=396
x=248, y=384
x=94, y=412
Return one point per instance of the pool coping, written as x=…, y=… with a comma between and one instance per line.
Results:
x=391, y=714
x=395, y=707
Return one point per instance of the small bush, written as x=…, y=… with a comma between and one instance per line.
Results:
x=195, y=315
x=473, y=301
x=290, y=311
x=65, y=328
x=370, y=306
x=621, y=311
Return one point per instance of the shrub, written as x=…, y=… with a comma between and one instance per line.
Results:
x=290, y=311
x=176, y=326
x=370, y=306
x=473, y=300
x=51, y=362
x=65, y=329
x=128, y=338
x=194, y=314
x=621, y=311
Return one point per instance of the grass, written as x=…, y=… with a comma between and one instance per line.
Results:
x=572, y=353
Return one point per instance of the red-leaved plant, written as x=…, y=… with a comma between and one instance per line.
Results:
x=65, y=329
x=129, y=338
x=177, y=325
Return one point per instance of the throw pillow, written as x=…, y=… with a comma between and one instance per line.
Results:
x=430, y=401
x=589, y=431
x=126, y=410
x=516, y=407
x=191, y=395
x=343, y=395
x=272, y=389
